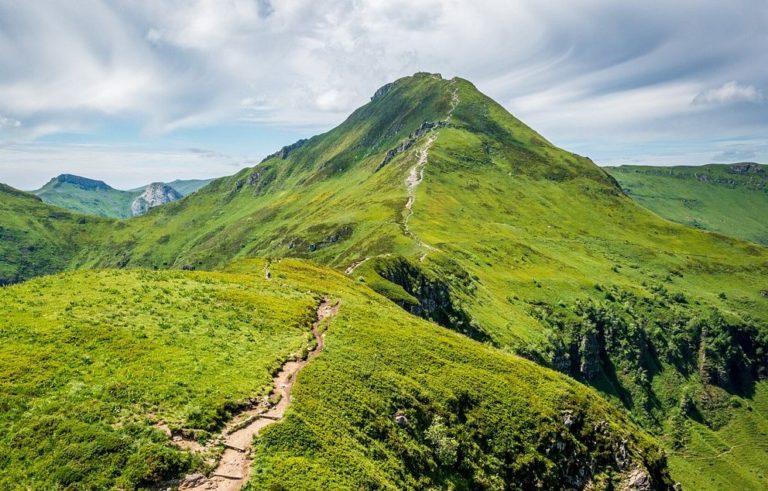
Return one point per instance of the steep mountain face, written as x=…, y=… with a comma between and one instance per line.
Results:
x=155, y=194
x=731, y=199
x=436, y=197
x=92, y=197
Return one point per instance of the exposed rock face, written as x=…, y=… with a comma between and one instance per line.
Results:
x=638, y=480
x=432, y=295
x=425, y=128
x=589, y=365
x=746, y=168
x=155, y=194
x=568, y=418
x=382, y=91
x=286, y=150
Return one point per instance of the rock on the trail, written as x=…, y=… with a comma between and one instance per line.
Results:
x=192, y=480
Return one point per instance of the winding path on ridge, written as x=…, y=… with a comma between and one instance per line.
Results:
x=412, y=181
x=416, y=175
x=234, y=467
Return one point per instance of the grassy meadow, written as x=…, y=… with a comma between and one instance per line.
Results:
x=90, y=361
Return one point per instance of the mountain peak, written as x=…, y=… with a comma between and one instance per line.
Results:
x=81, y=182
x=408, y=112
x=384, y=89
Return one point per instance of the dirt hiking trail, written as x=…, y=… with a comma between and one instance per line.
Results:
x=416, y=175
x=234, y=467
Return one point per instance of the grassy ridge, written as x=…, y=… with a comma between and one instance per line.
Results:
x=88, y=372
x=729, y=199
x=475, y=418
x=90, y=361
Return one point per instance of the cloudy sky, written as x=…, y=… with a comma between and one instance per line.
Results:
x=133, y=91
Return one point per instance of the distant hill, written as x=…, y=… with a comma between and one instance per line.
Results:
x=86, y=196
x=93, y=197
x=728, y=198
x=38, y=239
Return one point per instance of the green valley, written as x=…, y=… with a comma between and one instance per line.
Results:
x=729, y=199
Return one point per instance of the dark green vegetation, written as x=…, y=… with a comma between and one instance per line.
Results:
x=507, y=240
x=94, y=197
x=730, y=199
x=116, y=351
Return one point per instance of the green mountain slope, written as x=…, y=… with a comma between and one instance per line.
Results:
x=712, y=459
x=86, y=196
x=37, y=239
x=436, y=197
x=90, y=372
x=87, y=372
x=92, y=197
x=730, y=199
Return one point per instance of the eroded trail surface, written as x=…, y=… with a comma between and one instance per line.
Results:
x=233, y=469
x=416, y=175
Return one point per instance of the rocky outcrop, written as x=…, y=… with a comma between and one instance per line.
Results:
x=382, y=91
x=746, y=168
x=425, y=128
x=432, y=294
x=637, y=480
x=589, y=351
x=285, y=151
x=582, y=447
x=401, y=420
x=155, y=194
